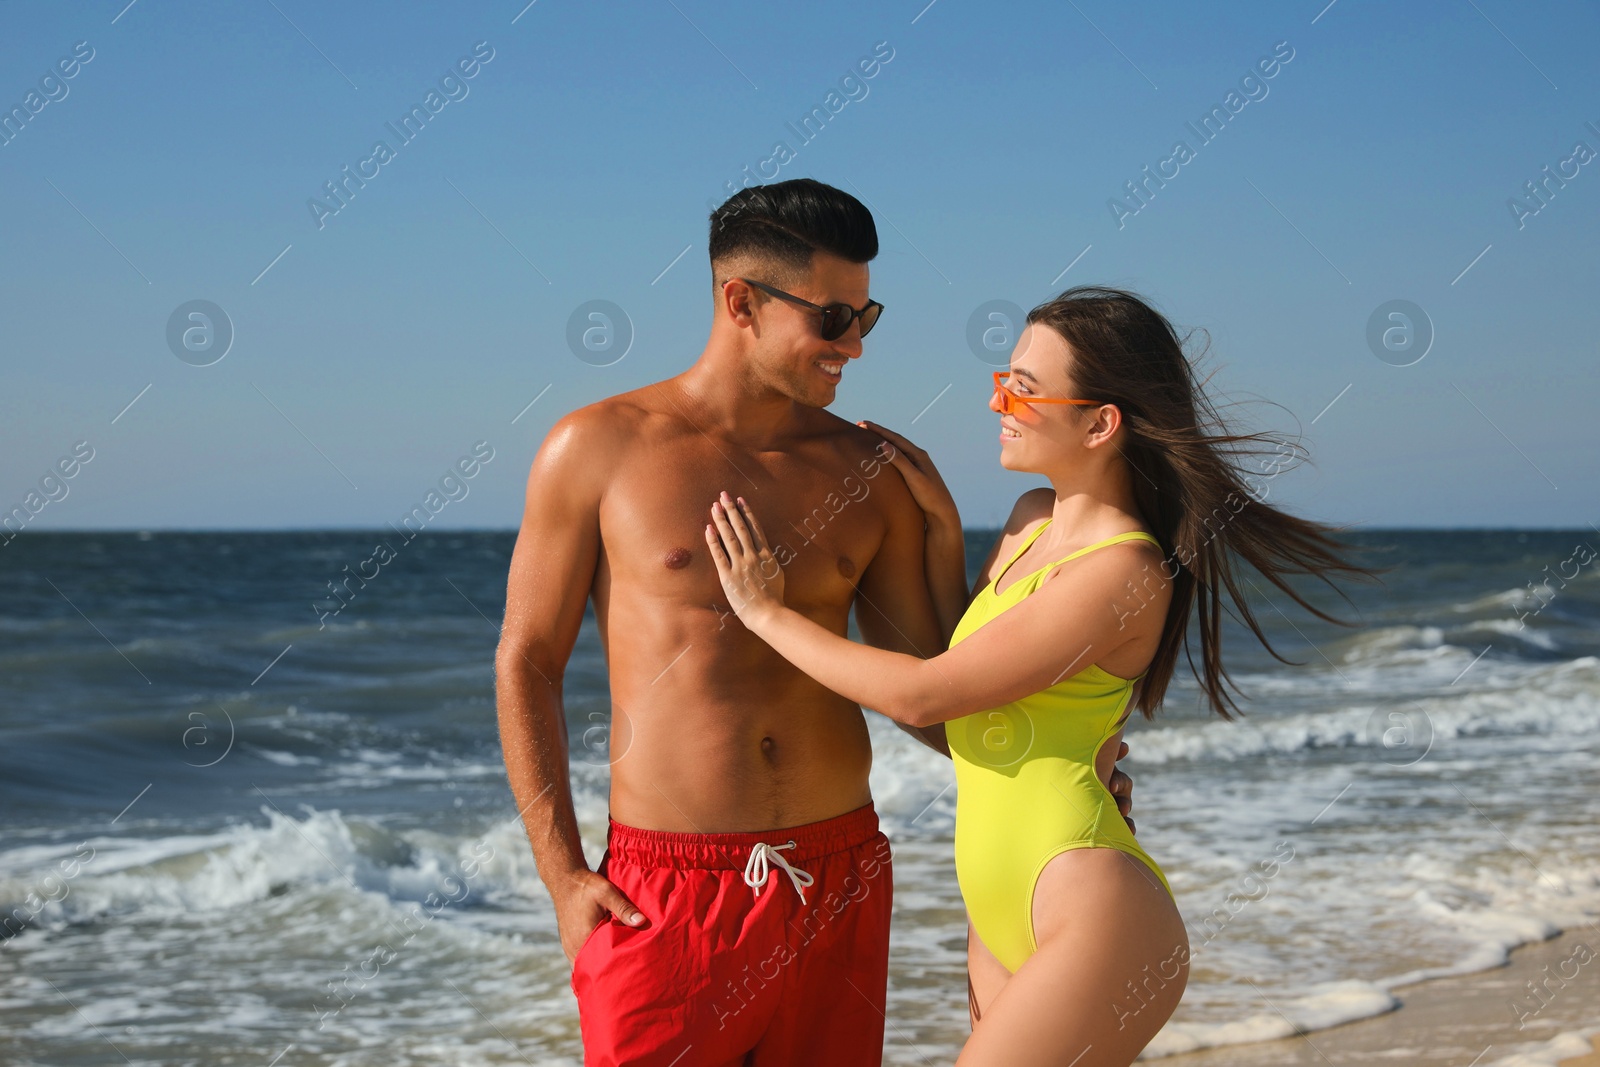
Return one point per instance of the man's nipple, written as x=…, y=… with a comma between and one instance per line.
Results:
x=678, y=559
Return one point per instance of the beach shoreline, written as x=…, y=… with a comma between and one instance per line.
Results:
x=1452, y=1021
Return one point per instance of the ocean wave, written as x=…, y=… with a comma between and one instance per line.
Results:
x=1399, y=645
x=1516, y=629
x=1501, y=931
x=1405, y=659
x=182, y=874
x=1563, y=699
x=372, y=768
x=913, y=787
x=1381, y=640
x=1509, y=600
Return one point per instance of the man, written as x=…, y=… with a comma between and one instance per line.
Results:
x=741, y=914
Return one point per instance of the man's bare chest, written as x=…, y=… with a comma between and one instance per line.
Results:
x=823, y=516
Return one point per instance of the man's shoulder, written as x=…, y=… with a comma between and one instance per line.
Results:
x=861, y=460
x=854, y=444
x=608, y=425
x=860, y=454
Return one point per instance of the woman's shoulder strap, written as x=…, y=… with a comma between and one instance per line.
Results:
x=1116, y=539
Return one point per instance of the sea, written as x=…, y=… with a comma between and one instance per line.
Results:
x=237, y=829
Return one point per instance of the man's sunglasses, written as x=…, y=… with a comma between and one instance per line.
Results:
x=836, y=318
x=1009, y=401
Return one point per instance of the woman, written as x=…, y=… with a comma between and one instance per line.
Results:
x=1077, y=952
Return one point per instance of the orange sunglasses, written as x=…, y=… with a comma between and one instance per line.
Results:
x=1009, y=401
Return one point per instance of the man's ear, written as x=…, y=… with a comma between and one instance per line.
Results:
x=738, y=302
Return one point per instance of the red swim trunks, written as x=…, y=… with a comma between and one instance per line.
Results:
x=751, y=948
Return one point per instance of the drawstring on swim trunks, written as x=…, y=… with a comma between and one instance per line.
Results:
x=756, y=869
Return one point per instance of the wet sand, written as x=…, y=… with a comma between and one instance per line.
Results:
x=1591, y=1060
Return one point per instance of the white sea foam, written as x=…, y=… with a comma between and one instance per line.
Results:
x=1331, y=1004
x=282, y=759
x=1569, y=1045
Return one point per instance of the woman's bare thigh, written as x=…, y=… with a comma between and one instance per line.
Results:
x=986, y=976
x=1111, y=966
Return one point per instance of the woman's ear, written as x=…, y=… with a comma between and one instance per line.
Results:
x=1107, y=420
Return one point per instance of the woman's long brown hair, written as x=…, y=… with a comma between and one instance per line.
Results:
x=1191, y=485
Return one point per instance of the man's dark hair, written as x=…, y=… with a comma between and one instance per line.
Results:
x=784, y=223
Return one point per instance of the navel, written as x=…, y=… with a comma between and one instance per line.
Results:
x=678, y=559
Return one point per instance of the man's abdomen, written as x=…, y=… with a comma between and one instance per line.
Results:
x=730, y=739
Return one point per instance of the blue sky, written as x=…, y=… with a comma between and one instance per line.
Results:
x=577, y=164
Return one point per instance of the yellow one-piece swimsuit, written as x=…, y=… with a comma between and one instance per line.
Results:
x=1025, y=779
